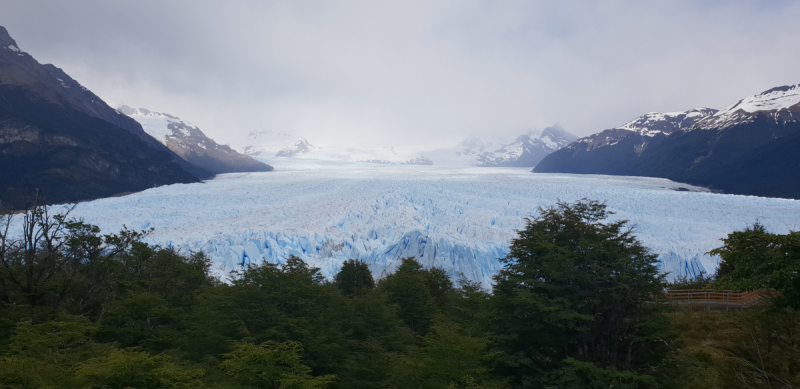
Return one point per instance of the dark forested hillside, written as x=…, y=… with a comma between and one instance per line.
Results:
x=58, y=137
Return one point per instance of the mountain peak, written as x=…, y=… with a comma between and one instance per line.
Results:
x=6, y=40
x=299, y=146
x=782, y=103
x=777, y=98
x=557, y=132
x=653, y=123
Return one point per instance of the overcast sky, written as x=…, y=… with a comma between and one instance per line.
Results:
x=374, y=73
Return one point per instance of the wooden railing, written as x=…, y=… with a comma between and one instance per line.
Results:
x=702, y=298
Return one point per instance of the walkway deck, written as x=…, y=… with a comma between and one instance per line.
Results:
x=710, y=299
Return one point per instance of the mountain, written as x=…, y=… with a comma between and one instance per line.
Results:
x=528, y=149
x=612, y=150
x=60, y=138
x=191, y=144
x=265, y=143
x=302, y=149
x=525, y=151
x=747, y=148
x=299, y=146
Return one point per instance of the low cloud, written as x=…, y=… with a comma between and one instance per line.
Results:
x=412, y=73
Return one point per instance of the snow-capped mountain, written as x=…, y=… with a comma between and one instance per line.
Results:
x=265, y=143
x=782, y=103
x=528, y=149
x=525, y=151
x=186, y=140
x=748, y=148
x=645, y=128
x=299, y=146
x=303, y=149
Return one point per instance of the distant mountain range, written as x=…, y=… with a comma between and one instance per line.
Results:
x=750, y=147
x=191, y=144
x=525, y=151
x=302, y=149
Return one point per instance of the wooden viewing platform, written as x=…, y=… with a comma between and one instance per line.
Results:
x=709, y=299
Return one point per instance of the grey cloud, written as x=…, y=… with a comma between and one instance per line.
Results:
x=412, y=72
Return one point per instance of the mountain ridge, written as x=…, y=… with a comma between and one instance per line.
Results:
x=60, y=139
x=708, y=151
x=190, y=143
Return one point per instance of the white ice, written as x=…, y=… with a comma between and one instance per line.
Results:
x=460, y=219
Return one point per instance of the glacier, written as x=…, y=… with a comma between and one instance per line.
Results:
x=461, y=219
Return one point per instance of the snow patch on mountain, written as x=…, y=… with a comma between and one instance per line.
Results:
x=771, y=100
x=646, y=126
x=159, y=125
x=655, y=123
x=783, y=102
x=191, y=144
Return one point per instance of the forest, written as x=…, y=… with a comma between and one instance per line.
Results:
x=579, y=303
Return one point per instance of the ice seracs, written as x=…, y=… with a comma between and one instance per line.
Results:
x=460, y=219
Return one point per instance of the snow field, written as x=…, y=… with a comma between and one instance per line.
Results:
x=460, y=219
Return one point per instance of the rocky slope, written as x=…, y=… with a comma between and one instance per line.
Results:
x=748, y=148
x=60, y=138
x=191, y=144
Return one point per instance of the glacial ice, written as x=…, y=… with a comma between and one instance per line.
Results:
x=460, y=219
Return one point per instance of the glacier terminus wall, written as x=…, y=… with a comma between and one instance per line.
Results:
x=460, y=219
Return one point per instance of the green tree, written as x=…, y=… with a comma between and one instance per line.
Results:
x=419, y=293
x=449, y=357
x=129, y=368
x=756, y=259
x=354, y=277
x=272, y=365
x=575, y=287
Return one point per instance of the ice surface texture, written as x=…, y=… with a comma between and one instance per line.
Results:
x=460, y=219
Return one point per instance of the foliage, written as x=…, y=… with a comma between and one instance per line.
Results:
x=701, y=281
x=575, y=306
x=272, y=365
x=419, y=293
x=354, y=277
x=575, y=289
x=756, y=259
x=753, y=348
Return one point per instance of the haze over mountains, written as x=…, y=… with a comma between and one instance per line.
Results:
x=748, y=148
x=525, y=151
